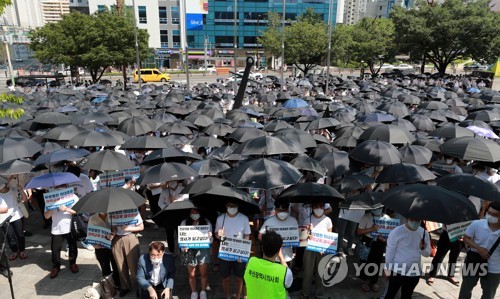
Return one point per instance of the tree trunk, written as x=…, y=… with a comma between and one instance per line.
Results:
x=422, y=67
x=442, y=68
x=124, y=73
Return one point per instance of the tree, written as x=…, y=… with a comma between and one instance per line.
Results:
x=10, y=108
x=445, y=31
x=271, y=37
x=95, y=42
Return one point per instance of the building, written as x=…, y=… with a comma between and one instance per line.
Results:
x=354, y=10
x=162, y=20
x=382, y=8
x=81, y=6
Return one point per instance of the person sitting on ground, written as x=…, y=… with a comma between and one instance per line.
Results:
x=155, y=273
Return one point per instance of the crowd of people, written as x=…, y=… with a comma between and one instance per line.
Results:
x=270, y=272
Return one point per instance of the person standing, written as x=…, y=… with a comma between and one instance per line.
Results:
x=15, y=233
x=61, y=230
x=443, y=246
x=155, y=273
x=234, y=225
x=482, y=236
x=104, y=255
x=126, y=251
x=264, y=278
x=405, y=246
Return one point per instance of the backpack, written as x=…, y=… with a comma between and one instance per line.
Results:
x=79, y=226
x=108, y=287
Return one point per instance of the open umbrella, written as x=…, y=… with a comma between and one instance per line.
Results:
x=311, y=192
x=17, y=147
x=145, y=143
x=174, y=213
x=216, y=198
x=405, y=173
x=93, y=138
x=363, y=201
x=307, y=163
x=376, y=152
x=264, y=174
x=64, y=154
x=209, y=167
x=109, y=199
x=15, y=167
x=433, y=203
x=267, y=146
x=352, y=183
x=204, y=184
x=472, y=148
x=470, y=185
x=169, y=155
x=416, y=154
x=106, y=160
x=166, y=172
x=388, y=133
x=305, y=139
x=52, y=179
x=337, y=163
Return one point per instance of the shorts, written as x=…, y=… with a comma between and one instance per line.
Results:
x=195, y=257
x=231, y=267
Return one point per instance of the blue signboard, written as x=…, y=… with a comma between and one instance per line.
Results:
x=194, y=21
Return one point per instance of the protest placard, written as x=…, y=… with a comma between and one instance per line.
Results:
x=98, y=235
x=444, y=167
x=323, y=242
x=431, y=226
x=57, y=198
x=124, y=217
x=195, y=236
x=457, y=230
x=385, y=226
x=232, y=249
x=111, y=179
x=290, y=235
x=133, y=172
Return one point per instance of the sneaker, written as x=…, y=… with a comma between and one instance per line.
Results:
x=194, y=295
x=88, y=246
x=203, y=295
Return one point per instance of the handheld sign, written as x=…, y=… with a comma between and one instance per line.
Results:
x=384, y=226
x=195, y=236
x=98, y=235
x=457, y=230
x=133, y=172
x=57, y=198
x=289, y=234
x=233, y=249
x=111, y=179
x=324, y=242
x=124, y=217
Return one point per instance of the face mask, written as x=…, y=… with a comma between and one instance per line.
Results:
x=414, y=225
x=195, y=216
x=282, y=215
x=377, y=212
x=318, y=212
x=232, y=211
x=491, y=219
x=137, y=155
x=449, y=161
x=156, y=261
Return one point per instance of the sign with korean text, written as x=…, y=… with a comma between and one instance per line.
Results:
x=57, y=198
x=133, y=172
x=384, y=226
x=98, y=235
x=457, y=230
x=325, y=242
x=194, y=236
x=233, y=249
x=124, y=217
x=112, y=179
x=290, y=235
x=444, y=167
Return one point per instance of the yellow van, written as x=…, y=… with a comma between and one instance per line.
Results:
x=151, y=75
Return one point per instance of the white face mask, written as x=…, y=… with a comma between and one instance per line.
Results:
x=282, y=215
x=156, y=261
x=377, y=212
x=232, y=211
x=318, y=212
x=449, y=161
x=491, y=219
x=414, y=225
x=195, y=216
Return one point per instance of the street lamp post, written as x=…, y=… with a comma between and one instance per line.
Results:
x=328, y=55
x=235, y=44
x=257, y=61
x=137, y=59
x=283, y=46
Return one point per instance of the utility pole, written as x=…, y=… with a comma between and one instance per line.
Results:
x=7, y=53
x=184, y=45
x=235, y=44
x=283, y=46
x=328, y=55
x=119, y=6
x=137, y=59
x=205, y=54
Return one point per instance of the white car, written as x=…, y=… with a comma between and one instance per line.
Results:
x=210, y=68
x=404, y=66
x=387, y=67
x=254, y=76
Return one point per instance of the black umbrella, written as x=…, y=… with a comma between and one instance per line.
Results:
x=431, y=203
x=352, y=183
x=166, y=172
x=472, y=148
x=15, y=167
x=311, y=192
x=93, y=138
x=363, y=201
x=416, y=154
x=17, y=147
x=106, y=160
x=206, y=141
x=137, y=125
x=243, y=134
x=337, y=163
x=92, y=117
x=216, y=198
x=64, y=154
x=48, y=147
x=52, y=118
x=405, y=173
x=204, y=184
x=145, y=143
x=304, y=138
x=307, y=163
x=376, y=152
x=169, y=155
x=388, y=133
x=209, y=167
x=174, y=213
x=264, y=174
x=109, y=199
x=218, y=129
x=451, y=131
x=470, y=185
x=267, y=146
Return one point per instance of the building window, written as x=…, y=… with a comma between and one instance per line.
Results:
x=224, y=41
x=143, y=18
x=175, y=14
x=380, y=8
x=163, y=14
x=101, y=7
x=177, y=40
x=164, y=38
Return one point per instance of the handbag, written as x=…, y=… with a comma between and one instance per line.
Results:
x=108, y=287
x=78, y=227
x=474, y=258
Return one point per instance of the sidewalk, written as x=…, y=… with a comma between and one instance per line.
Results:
x=31, y=276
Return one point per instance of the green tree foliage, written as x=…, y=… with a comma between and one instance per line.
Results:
x=444, y=31
x=95, y=42
x=3, y=4
x=271, y=37
x=369, y=40
x=9, y=109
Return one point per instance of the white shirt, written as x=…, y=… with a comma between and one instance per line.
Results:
x=61, y=221
x=121, y=232
x=267, y=201
x=481, y=234
x=4, y=216
x=165, y=194
x=322, y=224
x=305, y=213
x=403, y=250
x=234, y=227
x=84, y=186
x=10, y=199
x=275, y=222
x=155, y=276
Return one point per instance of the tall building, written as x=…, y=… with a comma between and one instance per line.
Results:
x=382, y=8
x=354, y=10
x=79, y=5
x=162, y=20
x=35, y=13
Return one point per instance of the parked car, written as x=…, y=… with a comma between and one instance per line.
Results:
x=404, y=66
x=255, y=76
x=151, y=75
x=210, y=68
x=475, y=67
x=387, y=67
